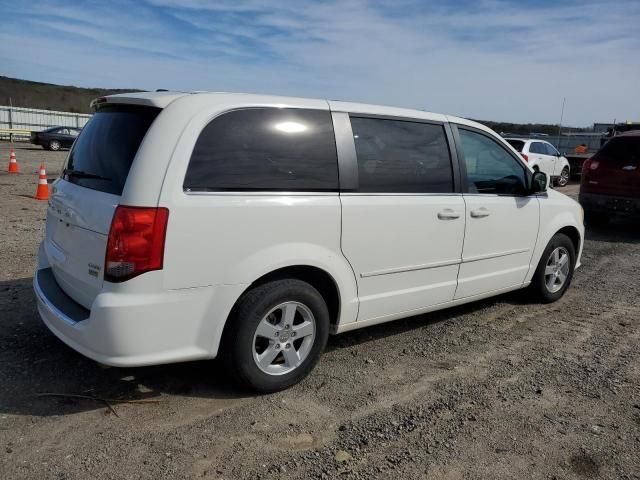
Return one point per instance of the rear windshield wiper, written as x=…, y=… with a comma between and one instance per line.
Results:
x=69, y=172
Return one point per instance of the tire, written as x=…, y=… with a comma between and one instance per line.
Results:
x=564, y=177
x=596, y=219
x=258, y=329
x=546, y=290
x=54, y=145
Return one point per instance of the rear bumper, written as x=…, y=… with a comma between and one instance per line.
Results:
x=610, y=204
x=134, y=329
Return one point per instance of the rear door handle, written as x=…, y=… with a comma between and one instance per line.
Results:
x=448, y=214
x=480, y=212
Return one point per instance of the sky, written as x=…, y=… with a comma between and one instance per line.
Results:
x=501, y=60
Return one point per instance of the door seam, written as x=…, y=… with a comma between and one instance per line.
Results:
x=464, y=237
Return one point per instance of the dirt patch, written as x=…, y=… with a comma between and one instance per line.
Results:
x=502, y=388
x=585, y=465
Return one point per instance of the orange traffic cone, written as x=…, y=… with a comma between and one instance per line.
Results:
x=13, y=164
x=42, y=193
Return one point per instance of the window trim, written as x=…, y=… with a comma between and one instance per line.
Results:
x=348, y=160
x=463, y=166
x=254, y=190
x=346, y=150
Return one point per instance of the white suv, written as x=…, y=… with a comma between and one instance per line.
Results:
x=188, y=226
x=544, y=157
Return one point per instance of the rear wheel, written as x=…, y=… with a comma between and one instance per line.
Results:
x=276, y=335
x=555, y=270
x=54, y=145
x=564, y=177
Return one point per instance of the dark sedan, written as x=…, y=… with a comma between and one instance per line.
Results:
x=55, y=138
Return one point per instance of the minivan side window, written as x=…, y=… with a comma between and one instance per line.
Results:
x=265, y=149
x=397, y=156
x=490, y=167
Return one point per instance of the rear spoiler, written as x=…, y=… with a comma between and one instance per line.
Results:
x=145, y=99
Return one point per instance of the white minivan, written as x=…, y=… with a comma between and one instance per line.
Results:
x=188, y=226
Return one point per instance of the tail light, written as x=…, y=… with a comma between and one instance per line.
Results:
x=136, y=242
x=590, y=164
x=525, y=156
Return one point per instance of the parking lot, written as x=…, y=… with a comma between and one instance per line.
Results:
x=501, y=388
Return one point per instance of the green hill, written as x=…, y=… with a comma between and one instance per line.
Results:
x=28, y=94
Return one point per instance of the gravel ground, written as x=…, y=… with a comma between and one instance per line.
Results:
x=501, y=388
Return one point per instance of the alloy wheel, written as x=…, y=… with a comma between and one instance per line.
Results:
x=556, y=271
x=564, y=177
x=284, y=338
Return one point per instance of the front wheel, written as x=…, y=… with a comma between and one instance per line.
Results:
x=564, y=177
x=555, y=270
x=276, y=335
x=54, y=145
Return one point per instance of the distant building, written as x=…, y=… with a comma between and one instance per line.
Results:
x=602, y=127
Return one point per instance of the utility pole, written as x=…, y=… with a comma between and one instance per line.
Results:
x=561, y=117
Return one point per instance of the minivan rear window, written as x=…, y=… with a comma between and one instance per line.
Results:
x=102, y=154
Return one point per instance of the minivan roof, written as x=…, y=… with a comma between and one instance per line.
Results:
x=164, y=98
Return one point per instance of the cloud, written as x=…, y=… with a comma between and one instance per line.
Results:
x=491, y=59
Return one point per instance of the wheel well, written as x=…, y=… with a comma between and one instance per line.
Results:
x=574, y=235
x=316, y=277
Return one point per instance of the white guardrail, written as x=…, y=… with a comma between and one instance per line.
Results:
x=17, y=123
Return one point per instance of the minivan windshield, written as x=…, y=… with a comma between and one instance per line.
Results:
x=517, y=144
x=102, y=155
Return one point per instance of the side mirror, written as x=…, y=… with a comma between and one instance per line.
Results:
x=539, y=182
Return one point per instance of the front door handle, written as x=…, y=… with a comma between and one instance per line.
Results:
x=448, y=214
x=480, y=212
